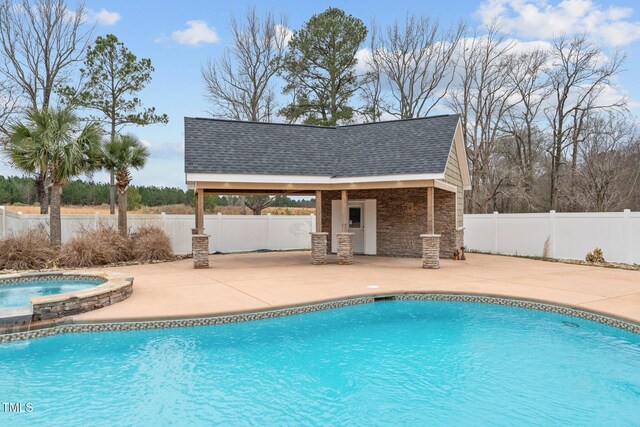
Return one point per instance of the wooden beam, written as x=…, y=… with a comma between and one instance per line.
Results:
x=200, y=211
x=310, y=189
x=345, y=211
x=430, y=211
x=445, y=186
x=318, y=211
x=259, y=192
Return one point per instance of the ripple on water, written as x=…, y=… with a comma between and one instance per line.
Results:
x=395, y=362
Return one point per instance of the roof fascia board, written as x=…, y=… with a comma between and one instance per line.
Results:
x=229, y=187
x=304, y=179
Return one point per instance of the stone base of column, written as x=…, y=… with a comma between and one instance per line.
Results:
x=319, y=248
x=345, y=248
x=200, y=250
x=430, y=250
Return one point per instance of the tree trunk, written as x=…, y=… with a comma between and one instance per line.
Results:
x=43, y=194
x=112, y=175
x=555, y=174
x=122, y=212
x=55, y=223
x=112, y=193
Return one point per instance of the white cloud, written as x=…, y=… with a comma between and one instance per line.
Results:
x=364, y=59
x=197, y=32
x=545, y=19
x=103, y=17
x=283, y=33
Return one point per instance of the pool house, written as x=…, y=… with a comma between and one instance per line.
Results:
x=393, y=188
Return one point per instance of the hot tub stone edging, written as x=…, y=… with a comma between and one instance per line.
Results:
x=288, y=311
x=114, y=288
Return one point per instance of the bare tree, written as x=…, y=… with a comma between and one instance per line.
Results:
x=522, y=122
x=41, y=41
x=8, y=106
x=240, y=84
x=483, y=99
x=371, y=88
x=607, y=173
x=416, y=60
x=258, y=203
x=579, y=76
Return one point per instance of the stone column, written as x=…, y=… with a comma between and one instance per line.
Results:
x=319, y=248
x=345, y=248
x=430, y=250
x=200, y=249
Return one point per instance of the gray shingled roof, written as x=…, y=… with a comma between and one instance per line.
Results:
x=415, y=146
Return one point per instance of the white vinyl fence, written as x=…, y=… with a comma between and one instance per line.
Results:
x=571, y=235
x=230, y=233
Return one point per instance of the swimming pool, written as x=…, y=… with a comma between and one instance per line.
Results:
x=20, y=294
x=391, y=362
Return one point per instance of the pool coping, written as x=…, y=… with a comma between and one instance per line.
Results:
x=60, y=328
x=110, y=289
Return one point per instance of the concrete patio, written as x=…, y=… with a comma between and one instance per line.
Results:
x=262, y=281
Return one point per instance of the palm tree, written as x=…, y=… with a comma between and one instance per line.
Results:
x=54, y=141
x=120, y=156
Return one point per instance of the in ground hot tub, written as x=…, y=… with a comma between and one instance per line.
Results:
x=43, y=296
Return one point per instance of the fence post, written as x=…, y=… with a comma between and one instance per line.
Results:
x=313, y=223
x=495, y=232
x=627, y=236
x=268, y=245
x=218, y=239
x=552, y=233
x=163, y=219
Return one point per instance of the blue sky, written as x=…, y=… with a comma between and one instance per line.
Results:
x=179, y=36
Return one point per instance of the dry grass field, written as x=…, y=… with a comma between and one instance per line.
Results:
x=169, y=209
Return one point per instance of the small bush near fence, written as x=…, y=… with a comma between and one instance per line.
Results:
x=150, y=244
x=595, y=256
x=32, y=250
x=100, y=246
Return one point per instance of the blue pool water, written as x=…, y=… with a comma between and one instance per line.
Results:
x=19, y=295
x=387, y=363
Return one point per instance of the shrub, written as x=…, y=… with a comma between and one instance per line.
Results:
x=151, y=244
x=545, y=249
x=100, y=246
x=30, y=250
x=595, y=256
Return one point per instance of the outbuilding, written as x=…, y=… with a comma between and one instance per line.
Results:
x=392, y=188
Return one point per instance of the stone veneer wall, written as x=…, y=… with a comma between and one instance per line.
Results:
x=80, y=303
x=200, y=250
x=445, y=221
x=401, y=218
x=109, y=289
x=318, y=248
